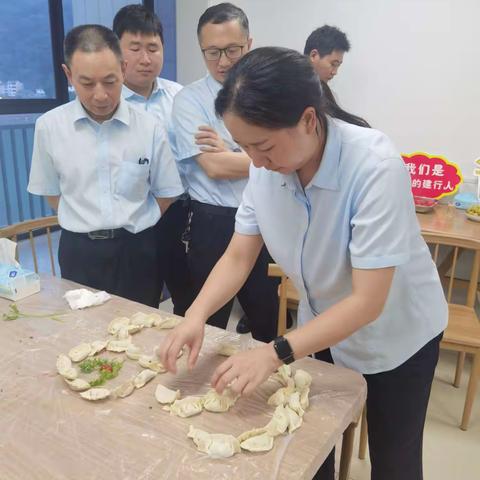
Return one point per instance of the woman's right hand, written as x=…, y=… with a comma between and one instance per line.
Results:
x=190, y=333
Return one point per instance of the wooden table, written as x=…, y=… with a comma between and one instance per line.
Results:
x=47, y=432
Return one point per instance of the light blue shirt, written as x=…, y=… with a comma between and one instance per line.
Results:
x=194, y=106
x=357, y=212
x=95, y=167
x=159, y=103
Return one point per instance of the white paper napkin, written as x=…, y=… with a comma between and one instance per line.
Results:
x=83, y=298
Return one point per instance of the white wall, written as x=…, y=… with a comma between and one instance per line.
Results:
x=413, y=70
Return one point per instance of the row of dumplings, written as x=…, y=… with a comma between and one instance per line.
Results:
x=120, y=329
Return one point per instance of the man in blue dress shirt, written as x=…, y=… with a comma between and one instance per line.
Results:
x=141, y=40
x=107, y=168
x=215, y=170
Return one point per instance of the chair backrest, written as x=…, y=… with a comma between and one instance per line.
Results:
x=447, y=267
x=31, y=228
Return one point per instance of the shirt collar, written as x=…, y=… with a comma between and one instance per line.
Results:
x=214, y=86
x=129, y=93
x=327, y=176
x=122, y=114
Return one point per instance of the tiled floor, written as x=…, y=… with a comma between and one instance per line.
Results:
x=449, y=453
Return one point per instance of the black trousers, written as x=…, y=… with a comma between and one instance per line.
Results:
x=210, y=231
x=173, y=260
x=397, y=403
x=127, y=266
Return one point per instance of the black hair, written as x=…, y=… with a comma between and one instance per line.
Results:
x=272, y=86
x=325, y=40
x=137, y=19
x=90, y=38
x=221, y=13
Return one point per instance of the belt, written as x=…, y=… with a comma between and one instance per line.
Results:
x=107, y=234
x=213, y=209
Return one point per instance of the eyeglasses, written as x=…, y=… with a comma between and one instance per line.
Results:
x=213, y=54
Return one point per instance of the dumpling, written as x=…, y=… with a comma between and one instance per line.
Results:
x=294, y=420
x=95, y=394
x=65, y=369
x=141, y=319
x=143, y=378
x=115, y=325
x=215, y=445
x=165, y=395
x=80, y=352
x=258, y=443
x=251, y=433
x=78, y=385
x=304, y=400
x=214, y=402
x=186, y=407
x=124, y=390
x=97, y=346
x=282, y=375
x=302, y=379
x=119, y=345
x=280, y=397
x=133, y=352
x=227, y=349
x=279, y=422
x=294, y=403
x=165, y=322
x=123, y=332
x=148, y=361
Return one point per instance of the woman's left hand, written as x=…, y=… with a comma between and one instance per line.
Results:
x=247, y=370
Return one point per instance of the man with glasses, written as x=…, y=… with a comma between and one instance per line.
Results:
x=215, y=170
x=141, y=40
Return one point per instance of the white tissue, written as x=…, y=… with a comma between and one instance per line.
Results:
x=82, y=298
x=7, y=252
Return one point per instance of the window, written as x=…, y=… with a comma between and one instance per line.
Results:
x=31, y=79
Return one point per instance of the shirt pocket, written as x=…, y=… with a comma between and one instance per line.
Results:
x=133, y=181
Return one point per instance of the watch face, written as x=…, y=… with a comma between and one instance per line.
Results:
x=283, y=349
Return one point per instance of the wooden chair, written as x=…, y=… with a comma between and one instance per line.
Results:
x=288, y=300
x=29, y=228
x=462, y=334
x=287, y=295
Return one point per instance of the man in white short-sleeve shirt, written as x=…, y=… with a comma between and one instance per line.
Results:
x=107, y=168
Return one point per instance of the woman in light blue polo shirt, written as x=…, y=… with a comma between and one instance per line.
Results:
x=332, y=203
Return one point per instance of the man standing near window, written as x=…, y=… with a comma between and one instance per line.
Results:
x=141, y=40
x=216, y=170
x=108, y=170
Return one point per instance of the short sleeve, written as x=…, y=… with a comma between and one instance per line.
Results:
x=164, y=178
x=44, y=179
x=382, y=218
x=246, y=218
x=187, y=116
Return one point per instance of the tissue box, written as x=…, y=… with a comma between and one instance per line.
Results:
x=465, y=200
x=17, y=283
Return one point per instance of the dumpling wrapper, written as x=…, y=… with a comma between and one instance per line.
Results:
x=143, y=378
x=165, y=322
x=186, y=407
x=251, y=433
x=258, y=443
x=166, y=396
x=117, y=323
x=80, y=352
x=214, y=402
x=95, y=394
